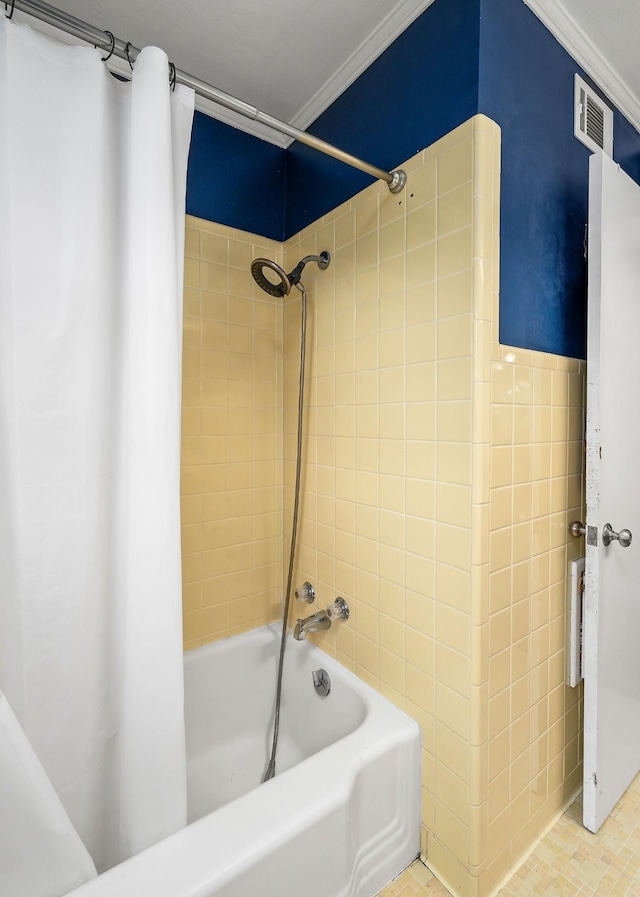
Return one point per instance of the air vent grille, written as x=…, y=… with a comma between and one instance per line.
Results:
x=595, y=122
x=593, y=119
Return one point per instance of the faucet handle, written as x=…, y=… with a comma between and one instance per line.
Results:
x=306, y=592
x=338, y=610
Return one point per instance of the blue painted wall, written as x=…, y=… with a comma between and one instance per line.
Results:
x=235, y=179
x=526, y=86
x=424, y=85
x=459, y=58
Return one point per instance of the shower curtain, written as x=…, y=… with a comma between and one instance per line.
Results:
x=92, y=191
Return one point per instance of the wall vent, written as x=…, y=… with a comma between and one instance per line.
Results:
x=593, y=119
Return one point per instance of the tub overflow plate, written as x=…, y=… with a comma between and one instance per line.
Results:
x=321, y=682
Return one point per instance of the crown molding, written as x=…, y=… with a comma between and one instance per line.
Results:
x=566, y=30
x=373, y=46
x=551, y=13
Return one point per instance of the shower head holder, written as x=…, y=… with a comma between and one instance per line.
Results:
x=287, y=281
x=321, y=260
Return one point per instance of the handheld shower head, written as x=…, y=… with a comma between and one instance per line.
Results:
x=269, y=286
x=273, y=288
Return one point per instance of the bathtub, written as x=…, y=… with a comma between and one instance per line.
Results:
x=341, y=817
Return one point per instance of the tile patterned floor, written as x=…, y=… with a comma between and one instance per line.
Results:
x=568, y=862
x=416, y=881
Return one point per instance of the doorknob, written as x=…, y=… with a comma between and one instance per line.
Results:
x=608, y=536
x=577, y=529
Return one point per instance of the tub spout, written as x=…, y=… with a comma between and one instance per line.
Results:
x=337, y=610
x=314, y=623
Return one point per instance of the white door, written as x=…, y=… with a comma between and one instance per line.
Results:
x=611, y=646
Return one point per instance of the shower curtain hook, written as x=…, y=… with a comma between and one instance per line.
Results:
x=113, y=46
x=126, y=50
x=172, y=76
x=13, y=7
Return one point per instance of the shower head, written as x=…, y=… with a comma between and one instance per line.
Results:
x=273, y=288
x=282, y=286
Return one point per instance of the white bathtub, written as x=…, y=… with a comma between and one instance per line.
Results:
x=340, y=819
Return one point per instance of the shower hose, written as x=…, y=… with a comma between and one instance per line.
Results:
x=271, y=768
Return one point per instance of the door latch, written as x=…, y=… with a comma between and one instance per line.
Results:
x=578, y=529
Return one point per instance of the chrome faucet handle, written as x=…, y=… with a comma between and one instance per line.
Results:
x=306, y=592
x=338, y=610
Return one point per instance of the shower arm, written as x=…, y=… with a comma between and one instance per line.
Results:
x=395, y=180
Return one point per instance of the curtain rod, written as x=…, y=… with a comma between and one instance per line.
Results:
x=395, y=180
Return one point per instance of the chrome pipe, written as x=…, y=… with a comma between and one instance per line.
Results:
x=395, y=180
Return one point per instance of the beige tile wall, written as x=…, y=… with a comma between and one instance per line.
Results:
x=388, y=509
x=231, y=436
x=440, y=471
x=536, y=483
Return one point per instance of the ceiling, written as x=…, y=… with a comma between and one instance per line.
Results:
x=292, y=58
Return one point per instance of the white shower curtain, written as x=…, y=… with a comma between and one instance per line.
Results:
x=92, y=188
